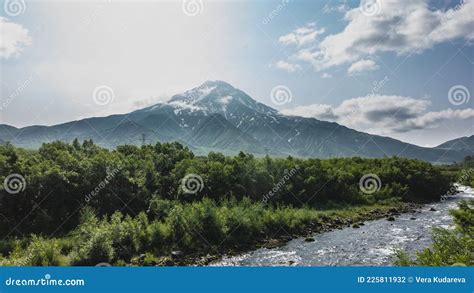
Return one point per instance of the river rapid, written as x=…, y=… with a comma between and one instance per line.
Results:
x=373, y=244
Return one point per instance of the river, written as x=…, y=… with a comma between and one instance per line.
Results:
x=373, y=244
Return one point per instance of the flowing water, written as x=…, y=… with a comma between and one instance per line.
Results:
x=373, y=244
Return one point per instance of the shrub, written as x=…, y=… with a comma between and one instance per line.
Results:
x=160, y=237
x=38, y=252
x=97, y=249
x=450, y=246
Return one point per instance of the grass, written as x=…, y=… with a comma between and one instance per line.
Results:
x=196, y=229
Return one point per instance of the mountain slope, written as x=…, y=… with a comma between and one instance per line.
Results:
x=217, y=116
x=465, y=144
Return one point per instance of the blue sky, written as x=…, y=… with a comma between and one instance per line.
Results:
x=385, y=67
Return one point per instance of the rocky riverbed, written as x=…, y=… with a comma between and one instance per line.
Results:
x=340, y=242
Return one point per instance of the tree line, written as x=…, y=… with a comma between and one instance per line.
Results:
x=80, y=204
x=62, y=178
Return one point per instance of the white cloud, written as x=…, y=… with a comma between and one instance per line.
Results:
x=434, y=118
x=14, y=38
x=80, y=44
x=362, y=65
x=381, y=114
x=401, y=27
x=302, y=36
x=341, y=7
x=320, y=111
x=290, y=67
x=326, y=75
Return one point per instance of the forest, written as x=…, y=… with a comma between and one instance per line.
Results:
x=80, y=204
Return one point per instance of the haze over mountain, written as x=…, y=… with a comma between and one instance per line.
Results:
x=215, y=116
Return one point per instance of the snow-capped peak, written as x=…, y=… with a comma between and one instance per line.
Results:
x=219, y=97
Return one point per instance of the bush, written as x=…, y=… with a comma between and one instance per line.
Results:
x=97, y=249
x=450, y=247
x=160, y=208
x=39, y=252
x=160, y=237
x=43, y=252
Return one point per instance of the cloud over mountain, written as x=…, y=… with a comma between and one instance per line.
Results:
x=382, y=114
x=217, y=116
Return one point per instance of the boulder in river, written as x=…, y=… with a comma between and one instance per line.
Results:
x=432, y=210
x=412, y=218
x=338, y=221
x=309, y=239
x=355, y=226
x=391, y=218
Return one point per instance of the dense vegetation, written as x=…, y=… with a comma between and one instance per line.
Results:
x=451, y=247
x=466, y=172
x=83, y=204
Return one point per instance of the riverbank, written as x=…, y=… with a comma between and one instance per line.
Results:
x=324, y=221
x=377, y=243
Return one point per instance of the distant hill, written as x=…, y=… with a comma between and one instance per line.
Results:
x=215, y=116
x=464, y=144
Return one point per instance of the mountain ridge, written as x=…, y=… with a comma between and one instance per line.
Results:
x=217, y=116
x=465, y=143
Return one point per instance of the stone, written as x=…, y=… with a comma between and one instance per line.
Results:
x=177, y=254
